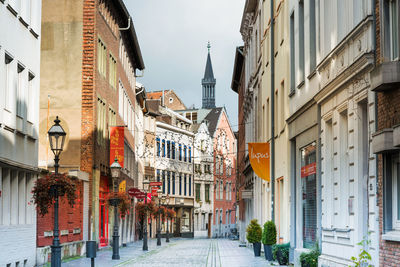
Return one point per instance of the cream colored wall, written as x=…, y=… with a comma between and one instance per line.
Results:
x=282, y=148
x=61, y=64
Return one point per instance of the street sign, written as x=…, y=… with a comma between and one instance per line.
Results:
x=155, y=183
x=140, y=195
x=132, y=191
x=154, y=192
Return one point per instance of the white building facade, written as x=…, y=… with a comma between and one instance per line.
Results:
x=19, y=129
x=332, y=116
x=203, y=182
x=174, y=168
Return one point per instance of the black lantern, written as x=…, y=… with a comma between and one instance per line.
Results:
x=57, y=137
x=146, y=184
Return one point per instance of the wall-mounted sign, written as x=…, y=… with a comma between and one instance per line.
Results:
x=259, y=155
x=309, y=170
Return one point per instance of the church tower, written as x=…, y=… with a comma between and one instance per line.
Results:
x=208, y=83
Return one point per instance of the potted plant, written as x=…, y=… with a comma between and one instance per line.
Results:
x=269, y=239
x=281, y=253
x=254, y=233
x=45, y=188
x=310, y=259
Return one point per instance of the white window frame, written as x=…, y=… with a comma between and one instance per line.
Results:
x=395, y=192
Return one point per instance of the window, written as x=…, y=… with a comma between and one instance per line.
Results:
x=207, y=192
x=101, y=121
x=173, y=183
x=312, y=35
x=9, y=81
x=185, y=153
x=221, y=190
x=101, y=57
x=309, y=193
x=31, y=97
x=394, y=29
x=301, y=41
x=158, y=175
x=163, y=148
x=163, y=182
x=396, y=192
x=173, y=150
x=158, y=147
x=190, y=184
x=168, y=182
x=292, y=57
x=190, y=154
x=217, y=189
x=21, y=91
x=113, y=72
x=168, y=149
x=180, y=183
x=180, y=152
x=198, y=192
x=184, y=184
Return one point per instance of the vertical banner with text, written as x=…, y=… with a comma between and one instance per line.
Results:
x=259, y=155
x=117, y=145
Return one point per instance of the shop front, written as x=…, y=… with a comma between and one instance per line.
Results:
x=104, y=190
x=303, y=133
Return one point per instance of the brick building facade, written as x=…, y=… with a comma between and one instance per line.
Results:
x=386, y=138
x=90, y=55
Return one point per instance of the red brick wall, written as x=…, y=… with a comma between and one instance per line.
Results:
x=69, y=219
x=388, y=110
x=88, y=83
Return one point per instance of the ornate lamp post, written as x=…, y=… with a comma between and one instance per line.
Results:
x=56, y=138
x=115, y=169
x=146, y=184
x=160, y=196
x=167, y=237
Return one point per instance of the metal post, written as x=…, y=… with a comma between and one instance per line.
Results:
x=145, y=247
x=167, y=238
x=159, y=224
x=272, y=114
x=115, y=255
x=56, y=247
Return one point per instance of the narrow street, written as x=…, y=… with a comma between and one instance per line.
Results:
x=179, y=252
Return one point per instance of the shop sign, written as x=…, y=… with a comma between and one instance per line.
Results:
x=155, y=183
x=259, y=155
x=308, y=170
x=122, y=186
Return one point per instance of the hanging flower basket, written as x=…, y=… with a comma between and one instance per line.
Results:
x=120, y=199
x=141, y=209
x=160, y=211
x=45, y=188
x=171, y=213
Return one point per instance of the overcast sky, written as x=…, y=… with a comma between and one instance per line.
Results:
x=173, y=36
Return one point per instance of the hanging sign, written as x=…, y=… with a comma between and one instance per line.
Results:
x=259, y=155
x=117, y=145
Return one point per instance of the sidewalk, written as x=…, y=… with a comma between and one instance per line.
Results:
x=132, y=250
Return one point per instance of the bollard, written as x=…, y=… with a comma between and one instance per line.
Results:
x=91, y=248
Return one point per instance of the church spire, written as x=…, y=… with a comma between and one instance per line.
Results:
x=208, y=83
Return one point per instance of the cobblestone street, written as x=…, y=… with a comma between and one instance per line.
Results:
x=179, y=252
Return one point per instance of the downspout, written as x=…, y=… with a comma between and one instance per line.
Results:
x=272, y=113
x=129, y=25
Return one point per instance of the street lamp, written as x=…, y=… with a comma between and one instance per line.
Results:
x=166, y=201
x=160, y=196
x=115, y=169
x=146, y=184
x=56, y=138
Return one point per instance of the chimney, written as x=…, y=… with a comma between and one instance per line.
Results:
x=162, y=100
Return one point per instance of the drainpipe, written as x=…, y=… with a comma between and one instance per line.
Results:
x=272, y=113
x=129, y=25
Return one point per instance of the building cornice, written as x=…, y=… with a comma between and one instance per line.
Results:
x=173, y=128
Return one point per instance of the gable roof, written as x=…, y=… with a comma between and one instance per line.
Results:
x=212, y=119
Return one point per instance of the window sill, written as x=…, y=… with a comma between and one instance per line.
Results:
x=392, y=236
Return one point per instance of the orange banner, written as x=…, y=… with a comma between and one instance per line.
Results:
x=117, y=145
x=259, y=159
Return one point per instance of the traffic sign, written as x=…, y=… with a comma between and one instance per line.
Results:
x=155, y=183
